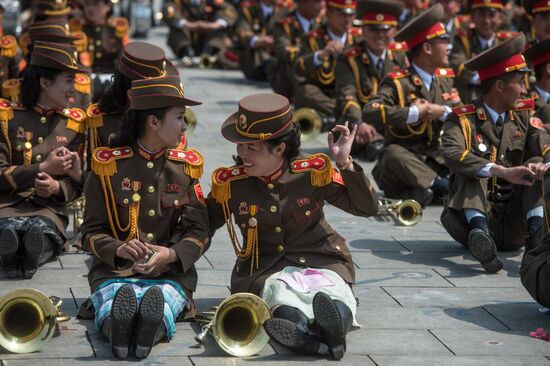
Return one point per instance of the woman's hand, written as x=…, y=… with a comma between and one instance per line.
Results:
x=341, y=149
x=159, y=264
x=45, y=186
x=134, y=250
x=58, y=162
x=76, y=170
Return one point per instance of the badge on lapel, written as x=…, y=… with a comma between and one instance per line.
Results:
x=243, y=208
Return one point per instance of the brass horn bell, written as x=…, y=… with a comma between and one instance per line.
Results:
x=407, y=212
x=311, y=123
x=28, y=319
x=237, y=324
x=190, y=119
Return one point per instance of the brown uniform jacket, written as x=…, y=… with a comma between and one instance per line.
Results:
x=163, y=191
x=292, y=229
x=465, y=46
x=323, y=75
x=471, y=140
x=390, y=108
x=26, y=140
x=357, y=79
x=252, y=22
x=105, y=44
x=102, y=128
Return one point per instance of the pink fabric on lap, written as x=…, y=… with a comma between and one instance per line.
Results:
x=306, y=281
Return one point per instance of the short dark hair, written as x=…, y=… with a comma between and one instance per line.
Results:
x=133, y=125
x=115, y=99
x=487, y=85
x=291, y=140
x=30, y=83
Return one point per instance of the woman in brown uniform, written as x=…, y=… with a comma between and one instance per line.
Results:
x=40, y=142
x=145, y=221
x=289, y=251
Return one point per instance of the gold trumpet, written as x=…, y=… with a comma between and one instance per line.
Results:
x=236, y=324
x=190, y=119
x=311, y=123
x=207, y=61
x=407, y=212
x=28, y=319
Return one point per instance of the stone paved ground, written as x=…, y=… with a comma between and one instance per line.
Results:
x=423, y=299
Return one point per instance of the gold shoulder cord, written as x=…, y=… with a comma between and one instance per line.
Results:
x=413, y=132
x=5, y=116
x=467, y=132
x=362, y=97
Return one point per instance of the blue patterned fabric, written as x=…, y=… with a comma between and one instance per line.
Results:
x=175, y=299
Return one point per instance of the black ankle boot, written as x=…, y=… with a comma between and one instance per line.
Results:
x=37, y=247
x=150, y=328
x=335, y=320
x=289, y=327
x=534, y=229
x=123, y=314
x=9, y=243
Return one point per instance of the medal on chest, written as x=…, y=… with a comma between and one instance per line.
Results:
x=480, y=144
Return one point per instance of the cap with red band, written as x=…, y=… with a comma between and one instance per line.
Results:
x=533, y=7
x=539, y=53
x=493, y=4
x=423, y=28
x=346, y=6
x=508, y=55
x=378, y=12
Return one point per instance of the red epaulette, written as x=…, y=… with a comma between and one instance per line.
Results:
x=464, y=33
x=355, y=31
x=82, y=79
x=223, y=175
x=285, y=21
x=445, y=72
x=354, y=52
x=398, y=74
x=75, y=114
x=506, y=34
x=525, y=105
x=314, y=162
x=398, y=46
x=464, y=18
x=105, y=155
x=8, y=46
x=189, y=156
x=316, y=33
x=465, y=109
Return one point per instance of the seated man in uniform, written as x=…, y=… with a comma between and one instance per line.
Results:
x=317, y=59
x=538, y=56
x=539, y=11
x=412, y=105
x=493, y=199
x=359, y=70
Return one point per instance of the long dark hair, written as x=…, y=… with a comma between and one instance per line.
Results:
x=30, y=85
x=133, y=125
x=115, y=99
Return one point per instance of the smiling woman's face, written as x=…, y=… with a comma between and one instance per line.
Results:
x=260, y=158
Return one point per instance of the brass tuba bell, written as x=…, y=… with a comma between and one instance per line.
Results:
x=190, y=119
x=237, y=324
x=311, y=123
x=207, y=61
x=407, y=212
x=28, y=319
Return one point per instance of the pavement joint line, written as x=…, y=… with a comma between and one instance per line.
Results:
x=440, y=341
x=401, y=244
x=445, y=278
x=90, y=342
x=60, y=263
x=74, y=298
x=208, y=260
x=372, y=360
x=191, y=360
x=497, y=319
x=390, y=295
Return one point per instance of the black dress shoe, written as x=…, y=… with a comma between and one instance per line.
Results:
x=123, y=314
x=373, y=149
x=33, y=242
x=9, y=243
x=149, y=321
x=334, y=319
x=292, y=335
x=483, y=248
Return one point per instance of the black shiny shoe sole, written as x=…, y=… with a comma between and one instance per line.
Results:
x=483, y=248
x=329, y=320
x=33, y=242
x=9, y=242
x=123, y=313
x=286, y=333
x=149, y=320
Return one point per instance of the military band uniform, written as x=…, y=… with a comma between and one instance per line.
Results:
x=10, y=57
x=287, y=38
x=467, y=44
x=184, y=42
x=253, y=22
x=469, y=142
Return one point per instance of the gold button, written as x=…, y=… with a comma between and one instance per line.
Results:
x=308, y=213
x=337, y=247
x=98, y=28
x=270, y=186
x=243, y=225
x=98, y=42
x=302, y=260
x=91, y=47
x=38, y=158
x=273, y=209
x=150, y=164
x=150, y=236
x=151, y=213
x=280, y=248
x=278, y=229
x=42, y=119
x=28, y=145
x=150, y=189
x=176, y=202
x=126, y=201
x=98, y=55
x=40, y=140
x=19, y=148
x=136, y=197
